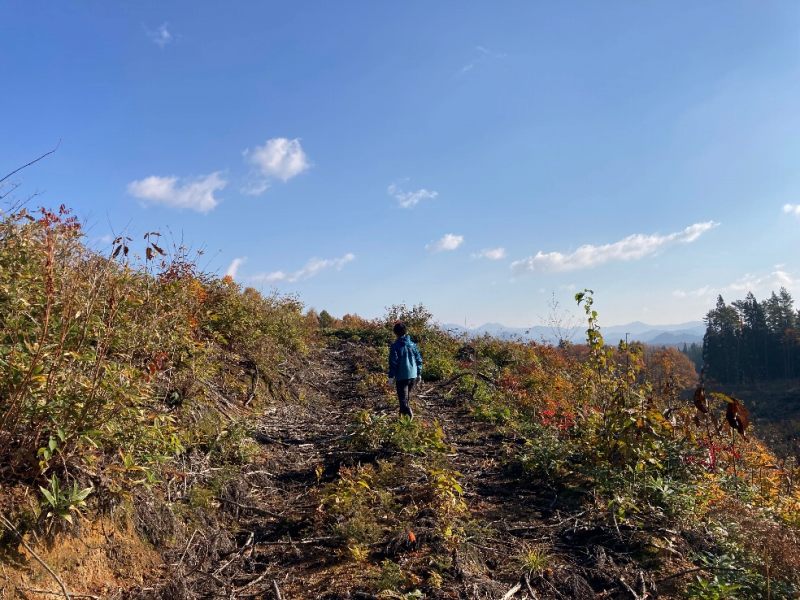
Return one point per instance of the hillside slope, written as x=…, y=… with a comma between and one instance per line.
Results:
x=279, y=531
x=166, y=434
x=347, y=501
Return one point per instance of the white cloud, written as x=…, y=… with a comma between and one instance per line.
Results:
x=633, y=247
x=255, y=187
x=233, y=268
x=410, y=199
x=482, y=55
x=783, y=279
x=313, y=267
x=195, y=194
x=270, y=277
x=161, y=36
x=766, y=282
x=491, y=253
x=701, y=292
x=792, y=209
x=490, y=53
x=278, y=158
x=774, y=280
x=447, y=243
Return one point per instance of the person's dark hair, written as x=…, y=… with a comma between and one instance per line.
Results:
x=399, y=329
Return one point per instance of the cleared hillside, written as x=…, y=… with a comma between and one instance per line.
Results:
x=167, y=434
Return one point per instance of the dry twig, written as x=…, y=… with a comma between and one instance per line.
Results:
x=47, y=567
x=277, y=590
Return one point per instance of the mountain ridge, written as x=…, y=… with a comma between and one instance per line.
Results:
x=675, y=334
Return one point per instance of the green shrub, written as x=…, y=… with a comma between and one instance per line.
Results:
x=370, y=432
x=106, y=361
x=534, y=560
x=546, y=455
x=391, y=577
x=62, y=502
x=356, y=502
x=484, y=408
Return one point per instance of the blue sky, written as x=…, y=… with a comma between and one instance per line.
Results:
x=474, y=156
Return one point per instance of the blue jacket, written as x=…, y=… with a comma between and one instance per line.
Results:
x=405, y=361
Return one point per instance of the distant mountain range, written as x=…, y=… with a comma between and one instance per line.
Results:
x=655, y=335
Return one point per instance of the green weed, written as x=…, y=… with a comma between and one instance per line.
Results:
x=63, y=502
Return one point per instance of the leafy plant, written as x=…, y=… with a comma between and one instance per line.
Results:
x=712, y=589
x=391, y=577
x=61, y=502
x=535, y=560
x=390, y=434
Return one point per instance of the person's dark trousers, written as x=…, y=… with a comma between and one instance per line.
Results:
x=404, y=387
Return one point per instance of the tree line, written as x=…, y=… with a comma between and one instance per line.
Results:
x=748, y=340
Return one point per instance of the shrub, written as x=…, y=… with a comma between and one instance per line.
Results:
x=534, y=560
x=110, y=361
x=61, y=502
x=371, y=432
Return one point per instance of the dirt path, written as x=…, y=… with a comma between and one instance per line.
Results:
x=276, y=549
x=303, y=439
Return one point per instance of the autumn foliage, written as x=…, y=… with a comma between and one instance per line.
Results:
x=125, y=370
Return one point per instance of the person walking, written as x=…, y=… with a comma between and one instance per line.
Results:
x=405, y=367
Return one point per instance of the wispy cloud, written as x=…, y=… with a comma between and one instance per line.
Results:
x=160, y=36
x=633, y=247
x=700, y=292
x=194, y=194
x=255, y=187
x=765, y=282
x=491, y=254
x=279, y=158
x=312, y=268
x=233, y=268
x=407, y=199
x=792, y=209
x=777, y=278
x=446, y=243
x=481, y=55
x=484, y=51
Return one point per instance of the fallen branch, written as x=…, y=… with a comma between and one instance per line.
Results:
x=13, y=529
x=48, y=592
x=238, y=554
x=277, y=590
x=429, y=387
x=212, y=576
x=530, y=589
x=512, y=592
x=251, y=583
x=259, y=511
x=185, y=550
x=631, y=590
x=305, y=541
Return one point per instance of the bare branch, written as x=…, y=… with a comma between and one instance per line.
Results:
x=34, y=161
x=13, y=188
